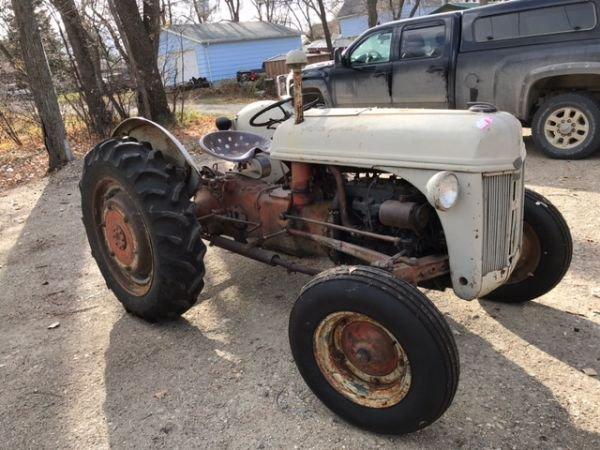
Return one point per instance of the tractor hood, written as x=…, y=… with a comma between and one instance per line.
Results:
x=411, y=138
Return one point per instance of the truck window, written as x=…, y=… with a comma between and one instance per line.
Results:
x=374, y=49
x=423, y=42
x=536, y=22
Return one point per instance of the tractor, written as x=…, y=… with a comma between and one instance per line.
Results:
x=397, y=199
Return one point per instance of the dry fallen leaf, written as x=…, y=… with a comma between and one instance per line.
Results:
x=54, y=325
x=590, y=372
x=161, y=394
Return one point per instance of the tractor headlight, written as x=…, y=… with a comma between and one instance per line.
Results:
x=442, y=190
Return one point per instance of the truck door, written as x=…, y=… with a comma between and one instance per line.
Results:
x=364, y=77
x=420, y=73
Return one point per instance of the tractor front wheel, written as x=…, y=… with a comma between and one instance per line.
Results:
x=141, y=228
x=374, y=349
x=545, y=255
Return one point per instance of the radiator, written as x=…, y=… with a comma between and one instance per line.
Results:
x=502, y=219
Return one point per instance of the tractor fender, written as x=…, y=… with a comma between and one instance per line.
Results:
x=160, y=138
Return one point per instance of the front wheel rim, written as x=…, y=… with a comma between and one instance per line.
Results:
x=362, y=360
x=567, y=127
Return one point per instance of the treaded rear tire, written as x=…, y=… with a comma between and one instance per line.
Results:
x=414, y=321
x=557, y=251
x=160, y=193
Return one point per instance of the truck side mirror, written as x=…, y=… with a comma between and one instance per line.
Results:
x=337, y=57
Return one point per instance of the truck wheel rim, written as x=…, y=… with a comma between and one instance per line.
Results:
x=567, y=127
x=362, y=360
x=124, y=238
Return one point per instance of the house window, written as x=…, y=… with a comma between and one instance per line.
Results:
x=423, y=42
x=375, y=49
x=536, y=22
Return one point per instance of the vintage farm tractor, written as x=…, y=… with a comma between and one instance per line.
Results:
x=396, y=198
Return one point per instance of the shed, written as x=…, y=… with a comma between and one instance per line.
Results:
x=217, y=51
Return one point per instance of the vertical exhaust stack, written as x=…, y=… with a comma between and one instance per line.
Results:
x=296, y=60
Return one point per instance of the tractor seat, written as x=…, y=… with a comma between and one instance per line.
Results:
x=234, y=146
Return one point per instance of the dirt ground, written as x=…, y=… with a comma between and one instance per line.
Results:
x=223, y=376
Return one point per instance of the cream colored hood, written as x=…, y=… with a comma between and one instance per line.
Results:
x=412, y=138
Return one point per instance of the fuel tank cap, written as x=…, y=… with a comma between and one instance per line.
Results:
x=482, y=107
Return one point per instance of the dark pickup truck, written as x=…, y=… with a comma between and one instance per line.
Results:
x=537, y=59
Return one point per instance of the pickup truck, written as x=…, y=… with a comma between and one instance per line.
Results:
x=537, y=59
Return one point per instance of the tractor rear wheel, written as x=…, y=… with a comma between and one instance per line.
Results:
x=141, y=228
x=374, y=349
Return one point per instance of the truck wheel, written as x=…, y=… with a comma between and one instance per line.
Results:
x=142, y=230
x=545, y=255
x=374, y=349
x=567, y=126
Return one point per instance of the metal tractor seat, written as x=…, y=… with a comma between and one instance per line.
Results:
x=234, y=146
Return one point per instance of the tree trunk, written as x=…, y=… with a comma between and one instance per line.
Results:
x=91, y=85
x=142, y=50
x=234, y=9
x=413, y=11
x=41, y=85
x=372, y=12
x=323, y=16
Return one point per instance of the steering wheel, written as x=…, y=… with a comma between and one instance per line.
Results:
x=269, y=123
x=286, y=114
x=372, y=56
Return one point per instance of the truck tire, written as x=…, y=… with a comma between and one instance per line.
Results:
x=141, y=228
x=567, y=126
x=545, y=256
x=374, y=349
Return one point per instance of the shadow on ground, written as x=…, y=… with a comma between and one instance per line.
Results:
x=225, y=378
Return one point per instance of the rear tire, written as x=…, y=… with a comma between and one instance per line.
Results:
x=567, y=126
x=374, y=349
x=142, y=229
x=545, y=259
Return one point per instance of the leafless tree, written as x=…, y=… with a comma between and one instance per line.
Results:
x=203, y=9
x=41, y=84
x=142, y=35
x=318, y=6
x=415, y=7
x=87, y=69
x=233, y=6
x=372, y=12
x=396, y=7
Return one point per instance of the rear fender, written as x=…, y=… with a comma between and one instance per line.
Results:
x=160, y=138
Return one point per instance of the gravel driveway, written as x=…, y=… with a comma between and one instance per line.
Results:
x=223, y=376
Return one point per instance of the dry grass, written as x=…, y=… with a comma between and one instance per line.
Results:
x=20, y=164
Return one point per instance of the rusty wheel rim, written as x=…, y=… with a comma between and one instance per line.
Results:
x=362, y=360
x=124, y=238
x=531, y=255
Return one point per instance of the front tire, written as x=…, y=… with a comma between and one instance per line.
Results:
x=545, y=256
x=374, y=349
x=141, y=228
x=567, y=126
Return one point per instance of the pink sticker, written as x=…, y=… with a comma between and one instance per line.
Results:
x=485, y=123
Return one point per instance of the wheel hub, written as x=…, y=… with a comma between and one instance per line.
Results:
x=362, y=360
x=119, y=236
x=531, y=255
x=566, y=128
x=369, y=348
x=126, y=238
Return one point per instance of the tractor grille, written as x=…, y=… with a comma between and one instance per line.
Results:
x=503, y=209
